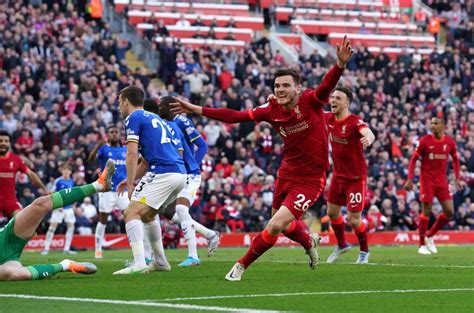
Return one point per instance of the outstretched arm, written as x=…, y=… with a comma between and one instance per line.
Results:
x=223, y=115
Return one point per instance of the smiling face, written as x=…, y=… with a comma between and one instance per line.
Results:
x=286, y=91
x=339, y=103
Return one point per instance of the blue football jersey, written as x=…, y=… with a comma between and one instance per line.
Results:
x=61, y=184
x=118, y=155
x=190, y=135
x=156, y=142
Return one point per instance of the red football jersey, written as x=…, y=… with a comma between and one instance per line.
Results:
x=347, y=151
x=10, y=165
x=304, y=134
x=434, y=155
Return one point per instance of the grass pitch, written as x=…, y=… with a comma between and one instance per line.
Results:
x=397, y=280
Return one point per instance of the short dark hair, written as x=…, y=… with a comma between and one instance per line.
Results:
x=288, y=71
x=165, y=107
x=151, y=105
x=3, y=132
x=347, y=91
x=111, y=126
x=132, y=93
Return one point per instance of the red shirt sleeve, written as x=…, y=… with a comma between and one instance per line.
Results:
x=360, y=124
x=321, y=94
x=21, y=165
x=227, y=115
x=418, y=152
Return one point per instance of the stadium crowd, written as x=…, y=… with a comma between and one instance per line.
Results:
x=60, y=73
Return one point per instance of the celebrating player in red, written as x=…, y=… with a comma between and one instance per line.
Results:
x=299, y=118
x=434, y=151
x=348, y=135
x=10, y=165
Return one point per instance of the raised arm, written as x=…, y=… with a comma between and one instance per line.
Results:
x=223, y=115
x=93, y=153
x=344, y=54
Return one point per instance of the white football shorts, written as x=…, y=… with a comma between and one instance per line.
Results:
x=67, y=215
x=193, y=182
x=111, y=199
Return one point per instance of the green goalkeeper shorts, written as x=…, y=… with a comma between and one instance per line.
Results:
x=11, y=245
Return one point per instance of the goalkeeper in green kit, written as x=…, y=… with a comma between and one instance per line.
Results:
x=16, y=234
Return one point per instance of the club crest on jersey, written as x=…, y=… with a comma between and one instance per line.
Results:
x=444, y=148
x=282, y=131
x=344, y=129
x=298, y=112
x=11, y=165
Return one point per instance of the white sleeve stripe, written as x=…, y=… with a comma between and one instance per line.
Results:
x=133, y=137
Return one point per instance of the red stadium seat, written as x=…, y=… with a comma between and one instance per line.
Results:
x=255, y=23
x=385, y=40
x=198, y=43
x=180, y=7
x=244, y=34
x=283, y=14
x=326, y=27
x=335, y=4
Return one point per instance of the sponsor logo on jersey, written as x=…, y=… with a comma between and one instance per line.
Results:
x=282, y=131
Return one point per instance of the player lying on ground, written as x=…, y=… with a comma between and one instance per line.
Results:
x=16, y=234
x=434, y=151
x=299, y=118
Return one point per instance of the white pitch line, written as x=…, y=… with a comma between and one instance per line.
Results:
x=142, y=303
x=356, y=292
x=306, y=262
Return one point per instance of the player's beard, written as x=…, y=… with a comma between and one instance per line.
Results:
x=3, y=150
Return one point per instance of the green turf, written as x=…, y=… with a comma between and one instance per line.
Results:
x=280, y=271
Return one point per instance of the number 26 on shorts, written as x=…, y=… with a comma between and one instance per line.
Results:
x=301, y=204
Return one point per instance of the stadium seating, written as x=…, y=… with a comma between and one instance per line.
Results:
x=327, y=27
x=334, y=4
x=283, y=14
x=385, y=40
x=179, y=7
x=255, y=23
x=244, y=34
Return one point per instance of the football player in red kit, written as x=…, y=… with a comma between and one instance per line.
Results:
x=299, y=118
x=10, y=165
x=348, y=135
x=434, y=151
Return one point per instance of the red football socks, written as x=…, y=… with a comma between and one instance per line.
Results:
x=260, y=244
x=422, y=227
x=439, y=224
x=297, y=232
x=361, y=233
x=338, y=227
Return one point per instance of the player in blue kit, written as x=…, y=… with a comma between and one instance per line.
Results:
x=109, y=150
x=150, y=136
x=66, y=213
x=192, y=160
